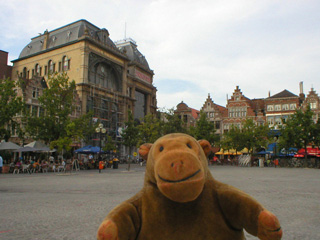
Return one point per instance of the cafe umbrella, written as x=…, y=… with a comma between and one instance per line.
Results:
x=9, y=146
x=88, y=150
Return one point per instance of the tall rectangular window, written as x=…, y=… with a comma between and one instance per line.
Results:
x=313, y=105
x=35, y=92
x=278, y=120
x=270, y=121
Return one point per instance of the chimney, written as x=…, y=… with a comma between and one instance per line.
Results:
x=301, y=87
x=301, y=95
x=45, y=40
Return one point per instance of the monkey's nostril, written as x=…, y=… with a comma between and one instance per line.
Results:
x=172, y=164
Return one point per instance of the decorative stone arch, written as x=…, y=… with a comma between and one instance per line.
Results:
x=105, y=73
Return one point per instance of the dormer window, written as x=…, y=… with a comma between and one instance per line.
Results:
x=69, y=34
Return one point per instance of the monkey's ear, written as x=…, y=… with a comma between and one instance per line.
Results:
x=205, y=146
x=144, y=150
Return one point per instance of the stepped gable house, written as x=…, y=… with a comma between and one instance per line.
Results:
x=239, y=108
x=273, y=110
x=215, y=113
x=313, y=100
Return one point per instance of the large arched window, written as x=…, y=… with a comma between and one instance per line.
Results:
x=51, y=67
x=38, y=69
x=65, y=63
x=105, y=76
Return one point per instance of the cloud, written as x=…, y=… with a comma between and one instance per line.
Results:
x=194, y=47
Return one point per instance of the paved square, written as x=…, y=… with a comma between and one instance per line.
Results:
x=72, y=206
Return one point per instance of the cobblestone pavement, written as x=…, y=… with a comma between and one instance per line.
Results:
x=72, y=205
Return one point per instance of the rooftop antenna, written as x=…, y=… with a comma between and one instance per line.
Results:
x=125, y=30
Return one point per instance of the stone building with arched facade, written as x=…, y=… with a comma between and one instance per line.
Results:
x=110, y=78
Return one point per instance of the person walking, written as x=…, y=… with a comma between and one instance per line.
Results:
x=101, y=165
x=276, y=162
x=1, y=164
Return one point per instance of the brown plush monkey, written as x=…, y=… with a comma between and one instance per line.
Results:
x=181, y=200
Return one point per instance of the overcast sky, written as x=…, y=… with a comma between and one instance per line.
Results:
x=195, y=48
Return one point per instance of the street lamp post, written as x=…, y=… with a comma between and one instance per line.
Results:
x=100, y=129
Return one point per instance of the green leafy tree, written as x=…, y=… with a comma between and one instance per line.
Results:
x=287, y=136
x=300, y=129
x=10, y=105
x=254, y=136
x=110, y=144
x=81, y=128
x=226, y=142
x=149, y=129
x=204, y=129
x=63, y=144
x=130, y=135
x=316, y=133
x=57, y=103
x=172, y=123
x=233, y=139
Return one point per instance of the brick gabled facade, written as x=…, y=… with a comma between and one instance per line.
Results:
x=187, y=114
x=280, y=106
x=313, y=101
x=215, y=113
x=240, y=108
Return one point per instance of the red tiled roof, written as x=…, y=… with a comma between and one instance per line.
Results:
x=195, y=113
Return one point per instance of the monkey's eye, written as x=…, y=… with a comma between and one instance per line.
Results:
x=188, y=145
x=161, y=149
